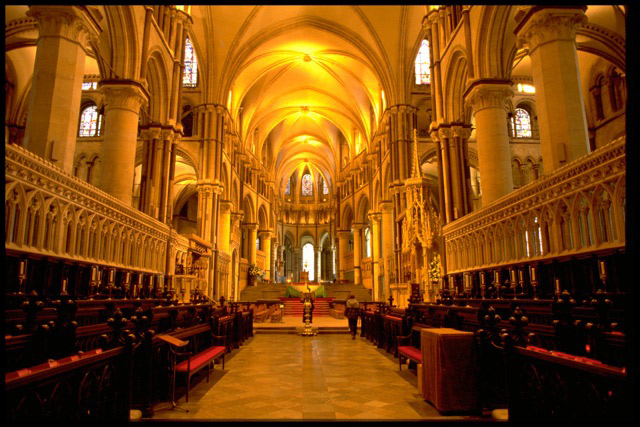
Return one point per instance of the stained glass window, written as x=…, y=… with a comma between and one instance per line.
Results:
x=325, y=189
x=423, y=72
x=287, y=189
x=523, y=123
x=307, y=185
x=190, y=74
x=90, y=122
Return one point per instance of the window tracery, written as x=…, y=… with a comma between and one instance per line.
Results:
x=522, y=124
x=190, y=73
x=90, y=122
x=307, y=185
x=423, y=62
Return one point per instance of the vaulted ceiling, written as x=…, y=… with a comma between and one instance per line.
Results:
x=308, y=79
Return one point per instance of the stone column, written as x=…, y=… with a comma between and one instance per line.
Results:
x=387, y=243
x=357, y=252
x=253, y=236
x=442, y=136
x=205, y=203
x=58, y=71
x=488, y=98
x=461, y=135
x=375, y=219
x=265, y=236
x=224, y=227
x=343, y=245
x=172, y=173
x=123, y=99
x=297, y=264
x=150, y=137
x=550, y=35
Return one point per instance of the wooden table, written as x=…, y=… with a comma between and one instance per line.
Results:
x=449, y=369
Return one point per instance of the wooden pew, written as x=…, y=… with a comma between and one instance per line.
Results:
x=94, y=386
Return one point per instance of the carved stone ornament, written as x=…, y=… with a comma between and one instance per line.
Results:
x=68, y=22
x=550, y=25
x=489, y=96
x=123, y=96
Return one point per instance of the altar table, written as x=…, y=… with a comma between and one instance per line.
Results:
x=449, y=369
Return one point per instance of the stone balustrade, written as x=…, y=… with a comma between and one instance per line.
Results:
x=50, y=212
x=578, y=208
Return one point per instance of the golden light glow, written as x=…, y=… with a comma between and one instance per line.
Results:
x=525, y=88
x=229, y=100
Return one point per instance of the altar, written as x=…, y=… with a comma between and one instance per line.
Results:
x=302, y=287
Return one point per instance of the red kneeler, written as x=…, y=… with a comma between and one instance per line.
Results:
x=409, y=352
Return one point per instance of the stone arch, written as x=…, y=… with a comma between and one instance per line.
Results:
x=347, y=218
x=455, y=82
x=362, y=209
x=159, y=98
x=248, y=209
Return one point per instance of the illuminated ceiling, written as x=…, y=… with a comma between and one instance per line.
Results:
x=306, y=79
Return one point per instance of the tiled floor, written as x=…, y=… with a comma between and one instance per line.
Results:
x=289, y=377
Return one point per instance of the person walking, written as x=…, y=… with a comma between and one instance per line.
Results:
x=351, y=312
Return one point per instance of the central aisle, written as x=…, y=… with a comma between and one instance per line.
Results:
x=274, y=377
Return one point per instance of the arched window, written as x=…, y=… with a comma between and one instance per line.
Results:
x=287, y=189
x=325, y=189
x=522, y=123
x=190, y=73
x=307, y=185
x=367, y=242
x=308, y=260
x=90, y=122
x=423, y=62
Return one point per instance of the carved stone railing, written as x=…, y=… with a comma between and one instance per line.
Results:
x=578, y=208
x=52, y=213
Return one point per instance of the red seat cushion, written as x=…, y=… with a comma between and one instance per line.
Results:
x=201, y=358
x=410, y=352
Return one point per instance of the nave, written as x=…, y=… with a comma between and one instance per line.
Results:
x=326, y=377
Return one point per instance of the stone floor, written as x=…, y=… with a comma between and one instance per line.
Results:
x=289, y=377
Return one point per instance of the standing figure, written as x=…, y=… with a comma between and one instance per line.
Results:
x=351, y=313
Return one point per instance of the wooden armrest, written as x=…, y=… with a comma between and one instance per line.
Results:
x=401, y=338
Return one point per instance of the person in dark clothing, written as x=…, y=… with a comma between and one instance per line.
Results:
x=351, y=312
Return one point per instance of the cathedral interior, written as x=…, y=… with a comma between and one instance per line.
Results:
x=179, y=178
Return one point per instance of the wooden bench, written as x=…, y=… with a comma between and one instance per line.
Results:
x=260, y=313
x=205, y=358
x=337, y=311
x=407, y=351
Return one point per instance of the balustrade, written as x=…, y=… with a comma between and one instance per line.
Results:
x=577, y=209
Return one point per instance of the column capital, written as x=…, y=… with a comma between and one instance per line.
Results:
x=461, y=131
x=343, y=234
x=123, y=94
x=444, y=132
x=225, y=206
x=265, y=234
x=539, y=25
x=70, y=22
x=488, y=94
x=375, y=216
x=358, y=225
x=252, y=226
x=386, y=206
x=150, y=133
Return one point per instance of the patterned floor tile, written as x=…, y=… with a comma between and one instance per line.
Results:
x=287, y=377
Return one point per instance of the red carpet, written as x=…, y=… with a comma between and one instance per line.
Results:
x=293, y=306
